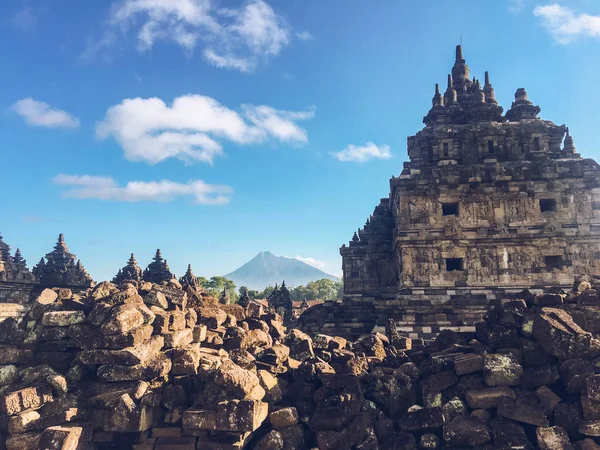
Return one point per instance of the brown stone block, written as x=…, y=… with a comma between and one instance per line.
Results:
x=178, y=338
x=283, y=418
x=125, y=357
x=172, y=443
x=61, y=438
x=12, y=403
x=553, y=438
x=156, y=367
x=468, y=364
x=24, y=441
x=590, y=428
x=14, y=355
x=241, y=415
x=489, y=397
x=166, y=432
x=199, y=419
x=62, y=318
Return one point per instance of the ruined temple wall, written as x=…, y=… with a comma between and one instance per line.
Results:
x=491, y=263
x=15, y=292
x=517, y=204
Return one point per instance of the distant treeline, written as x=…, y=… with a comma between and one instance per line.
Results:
x=323, y=289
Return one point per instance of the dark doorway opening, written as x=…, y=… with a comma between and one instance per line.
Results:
x=450, y=209
x=547, y=204
x=453, y=264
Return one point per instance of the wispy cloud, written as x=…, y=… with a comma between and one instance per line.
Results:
x=25, y=19
x=311, y=261
x=516, y=6
x=304, y=35
x=192, y=127
x=105, y=188
x=41, y=114
x=564, y=25
x=364, y=153
x=234, y=38
x=35, y=219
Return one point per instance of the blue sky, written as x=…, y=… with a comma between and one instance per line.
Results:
x=218, y=129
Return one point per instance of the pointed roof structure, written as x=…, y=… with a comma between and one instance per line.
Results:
x=190, y=279
x=158, y=270
x=244, y=300
x=61, y=268
x=131, y=271
x=569, y=145
x=224, y=299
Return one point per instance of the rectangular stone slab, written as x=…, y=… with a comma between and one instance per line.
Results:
x=129, y=356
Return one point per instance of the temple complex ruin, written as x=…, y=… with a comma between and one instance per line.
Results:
x=488, y=204
x=59, y=268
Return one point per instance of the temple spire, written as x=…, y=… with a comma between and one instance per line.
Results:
x=488, y=90
x=190, y=279
x=450, y=95
x=18, y=258
x=460, y=71
x=224, y=299
x=131, y=272
x=158, y=270
x=438, y=100
x=569, y=146
x=522, y=107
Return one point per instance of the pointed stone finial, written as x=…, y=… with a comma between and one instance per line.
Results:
x=438, y=100
x=569, y=146
x=61, y=238
x=158, y=254
x=521, y=95
x=522, y=108
x=488, y=90
x=355, y=237
x=460, y=71
x=18, y=258
x=450, y=96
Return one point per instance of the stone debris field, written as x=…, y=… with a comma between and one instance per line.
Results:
x=148, y=366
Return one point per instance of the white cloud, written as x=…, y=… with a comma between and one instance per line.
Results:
x=564, y=25
x=361, y=154
x=192, y=126
x=311, y=261
x=304, y=35
x=234, y=38
x=105, y=188
x=41, y=114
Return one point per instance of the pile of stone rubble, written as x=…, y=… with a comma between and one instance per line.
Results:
x=165, y=367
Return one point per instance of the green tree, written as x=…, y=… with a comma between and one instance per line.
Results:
x=266, y=292
x=215, y=287
x=323, y=289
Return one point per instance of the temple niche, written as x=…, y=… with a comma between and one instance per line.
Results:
x=487, y=204
x=61, y=268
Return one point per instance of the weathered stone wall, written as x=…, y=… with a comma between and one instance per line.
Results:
x=15, y=292
x=487, y=202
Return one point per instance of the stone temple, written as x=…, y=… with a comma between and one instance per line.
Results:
x=489, y=203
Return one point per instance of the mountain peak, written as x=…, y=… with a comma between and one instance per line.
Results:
x=266, y=269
